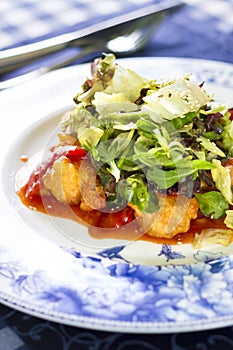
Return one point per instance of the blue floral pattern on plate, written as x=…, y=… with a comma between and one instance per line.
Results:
x=130, y=293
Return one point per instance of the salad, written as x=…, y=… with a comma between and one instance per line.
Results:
x=152, y=156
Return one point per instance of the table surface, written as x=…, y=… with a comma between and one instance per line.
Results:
x=201, y=29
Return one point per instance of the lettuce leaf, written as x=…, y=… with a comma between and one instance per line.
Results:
x=227, y=134
x=184, y=168
x=109, y=103
x=222, y=179
x=213, y=236
x=110, y=78
x=177, y=99
x=229, y=219
x=212, y=204
x=135, y=191
x=72, y=120
x=210, y=146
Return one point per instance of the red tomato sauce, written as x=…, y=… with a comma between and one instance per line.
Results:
x=117, y=225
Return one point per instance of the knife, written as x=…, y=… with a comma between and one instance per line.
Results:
x=35, y=50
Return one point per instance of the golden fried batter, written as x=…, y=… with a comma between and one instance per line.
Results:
x=75, y=183
x=93, y=196
x=173, y=217
x=62, y=181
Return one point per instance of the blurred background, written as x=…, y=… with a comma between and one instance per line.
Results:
x=188, y=28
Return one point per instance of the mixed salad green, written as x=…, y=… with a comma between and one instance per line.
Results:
x=149, y=137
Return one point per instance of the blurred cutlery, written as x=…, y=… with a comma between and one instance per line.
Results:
x=132, y=37
x=83, y=36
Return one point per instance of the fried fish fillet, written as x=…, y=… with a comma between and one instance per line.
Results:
x=173, y=217
x=74, y=184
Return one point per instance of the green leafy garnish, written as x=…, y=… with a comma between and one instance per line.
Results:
x=229, y=219
x=222, y=179
x=210, y=146
x=212, y=204
x=136, y=192
x=184, y=168
x=143, y=133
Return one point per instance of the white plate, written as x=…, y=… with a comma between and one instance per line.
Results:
x=52, y=269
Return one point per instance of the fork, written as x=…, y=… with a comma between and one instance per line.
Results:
x=132, y=37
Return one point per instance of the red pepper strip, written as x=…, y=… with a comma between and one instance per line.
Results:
x=34, y=183
x=231, y=113
x=76, y=154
